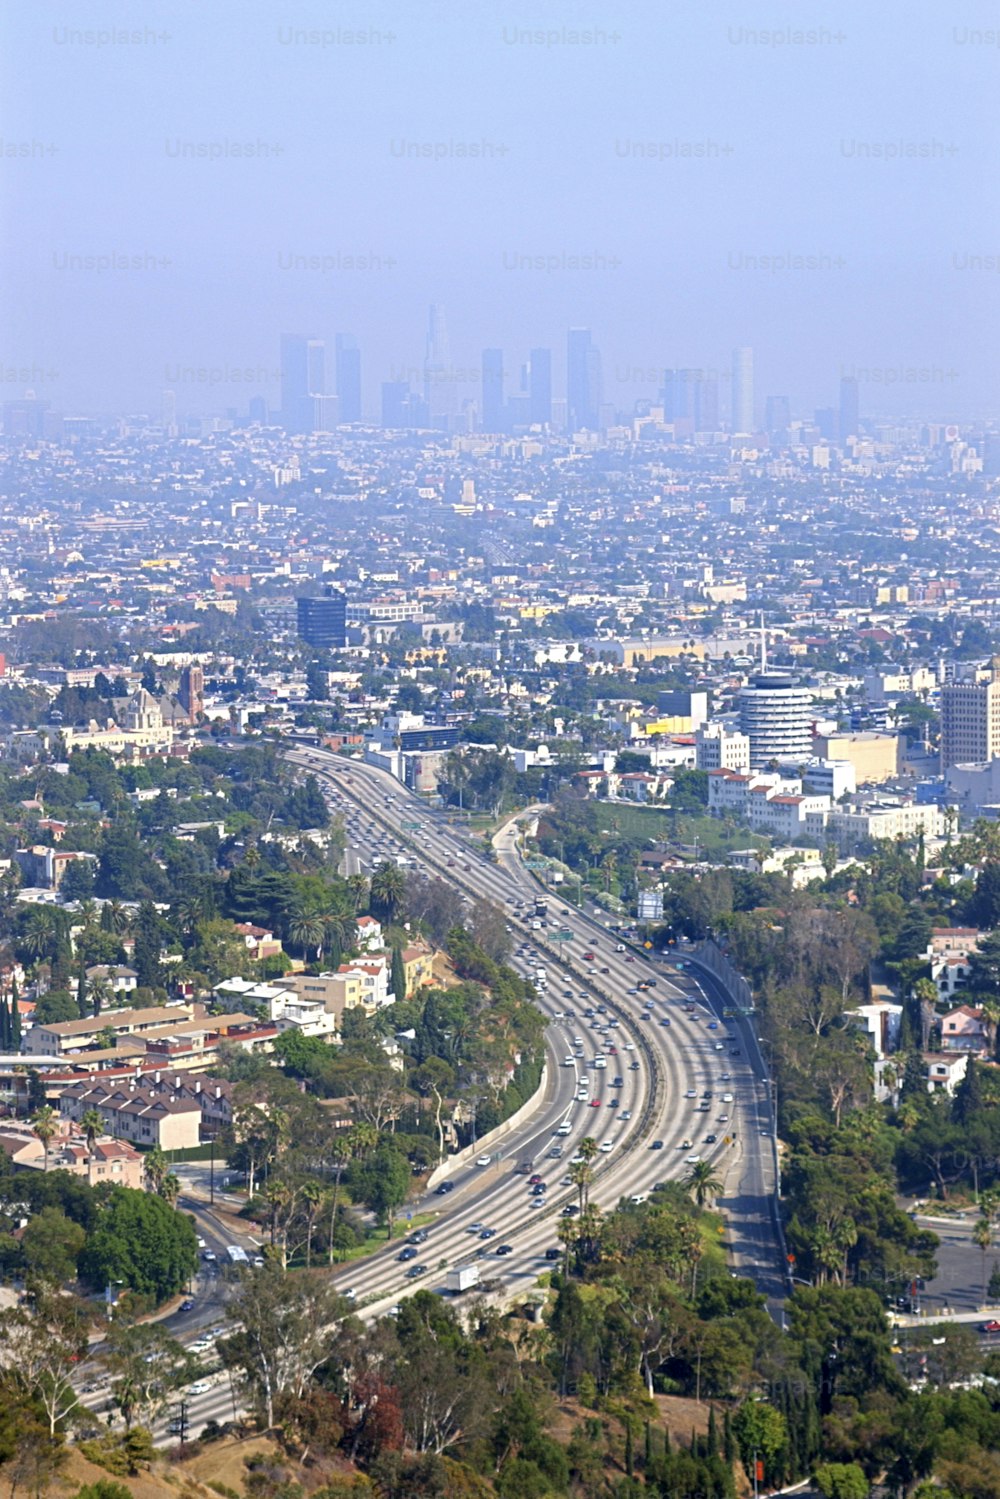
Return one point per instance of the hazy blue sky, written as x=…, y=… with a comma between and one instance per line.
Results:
x=582, y=152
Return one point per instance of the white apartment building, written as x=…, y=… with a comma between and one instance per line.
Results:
x=852, y=825
x=776, y=716
x=970, y=721
x=717, y=748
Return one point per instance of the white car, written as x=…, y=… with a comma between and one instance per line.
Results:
x=199, y=1387
x=564, y=1129
x=727, y=1098
x=691, y=1093
x=607, y=1145
x=485, y=1160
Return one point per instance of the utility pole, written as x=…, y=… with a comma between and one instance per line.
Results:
x=182, y=1421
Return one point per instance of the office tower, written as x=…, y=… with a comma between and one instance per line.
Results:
x=347, y=365
x=970, y=720
x=848, y=423
x=440, y=396
x=827, y=419
x=191, y=692
x=540, y=387
x=776, y=716
x=677, y=395
x=584, y=384
x=170, y=413
x=258, y=410
x=322, y=621
x=777, y=418
x=743, y=406
x=303, y=378
x=25, y=418
x=494, y=416
x=706, y=404
x=395, y=394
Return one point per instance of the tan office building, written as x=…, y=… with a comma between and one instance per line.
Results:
x=875, y=757
x=970, y=721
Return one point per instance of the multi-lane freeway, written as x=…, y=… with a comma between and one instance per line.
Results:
x=654, y=1074
x=688, y=1082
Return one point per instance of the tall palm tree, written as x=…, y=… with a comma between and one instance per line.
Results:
x=845, y=1236
x=388, y=890
x=115, y=914
x=92, y=1125
x=311, y=1194
x=305, y=929
x=357, y=890
x=581, y=1175
x=702, y=1182
x=170, y=1188
x=588, y=1148
x=156, y=1168
x=45, y=1123
x=982, y=1237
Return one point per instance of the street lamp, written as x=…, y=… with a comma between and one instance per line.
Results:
x=109, y=1296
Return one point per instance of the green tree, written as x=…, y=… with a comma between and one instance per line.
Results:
x=55, y=1006
x=388, y=891
x=45, y=1123
x=762, y=1433
x=841, y=1481
x=382, y=1182
x=141, y=1242
x=703, y=1182
x=52, y=1244
x=145, y=1365
x=398, y=977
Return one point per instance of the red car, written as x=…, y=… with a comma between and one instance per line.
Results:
x=534, y=1180
x=595, y=1103
x=992, y=1326
x=588, y=957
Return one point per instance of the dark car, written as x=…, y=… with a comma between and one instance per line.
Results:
x=553, y=1254
x=187, y=1306
x=415, y=1271
x=734, y=1051
x=444, y=1188
x=409, y=1253
x=710, y=1139
x=656, y=1145
x=505, y=1249
x=420, y=1237
x=538, y=1190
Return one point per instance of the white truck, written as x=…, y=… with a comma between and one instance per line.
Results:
x=462, y=1278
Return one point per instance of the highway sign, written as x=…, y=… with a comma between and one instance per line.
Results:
x=564, y=936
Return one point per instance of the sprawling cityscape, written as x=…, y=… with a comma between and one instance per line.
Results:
x=499, y=756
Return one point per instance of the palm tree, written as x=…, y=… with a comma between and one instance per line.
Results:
x=116, y=917
x=45, y=1123
x=156, y=1168
x=311, y=1194
x=982, y=1236
x=305, y=929
x=845, y=1236
x=581, y=1175
x=702, y=1182
x=588, y=1148
x=357, y=890
x=170, y=1188
x=388, y=889
x=92, y=1125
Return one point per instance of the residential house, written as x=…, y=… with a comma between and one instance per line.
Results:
x=964, y=1029
x=945, y=1073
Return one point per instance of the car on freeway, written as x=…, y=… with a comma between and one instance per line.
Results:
x=536, y=1191
x=633, y=1066
x=691, y=1093
x=656, y=1145
x=409, y=1253
x=734, y=1051
x=487, y=1233
x=595, y=1103
x=187, y=1306
x=727, y=1098
x=537, y=1202
x=991, y=1326
x=693, y=1160
x=570, y=1211
x=553, y=1254
x=564, y=1129
x=419, y=1237
x=710, y=1139
x=629, y=958
x=625, y=1115
x=415, y=1271
x=719, y=1046
x=589, y=957
x=723, y=1119
x=474, y=1228
x=685, y=1145
x=444, y=1188
x=713, y=1025
x=607, y=1145
x=505, y=1249
x=534, y=1180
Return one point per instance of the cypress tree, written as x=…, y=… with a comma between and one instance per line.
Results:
x=666, y=1441
x=713, y=1434
x=397, y=977
x=5, y=1037
x=728, y=1444
x=81, y=994
x=648, y=1453
x=15, y=1019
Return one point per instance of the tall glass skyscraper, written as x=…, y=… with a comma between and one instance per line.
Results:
x=584, y=382
x=743, y=404
x=348, y=374
x=494, y=414
x=303, y=380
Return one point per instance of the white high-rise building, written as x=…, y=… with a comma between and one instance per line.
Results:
x=776, y=716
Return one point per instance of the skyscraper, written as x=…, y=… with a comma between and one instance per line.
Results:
x=323, y=622
x=970, y=720
x=691, y=397
x=776, y=716
x=848, y=408
x=439, y=383
x=303, y=377
x=584, y=383
x=743, y=404
x=347, y=360
x=494, y=415
x=777, y=418
x=540, y=387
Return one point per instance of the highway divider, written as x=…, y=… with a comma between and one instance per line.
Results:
x=487, y=1143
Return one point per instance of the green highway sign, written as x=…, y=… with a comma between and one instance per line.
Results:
x=564, y=936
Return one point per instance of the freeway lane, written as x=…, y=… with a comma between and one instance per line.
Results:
x=676, y=1055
